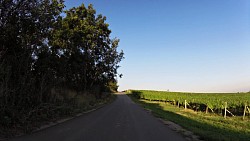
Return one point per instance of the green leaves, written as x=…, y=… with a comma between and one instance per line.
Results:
x=85, y=41
x=214, y=101
x=41, y=51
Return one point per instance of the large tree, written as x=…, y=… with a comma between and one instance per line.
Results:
x=24, y=29
x=82, y=39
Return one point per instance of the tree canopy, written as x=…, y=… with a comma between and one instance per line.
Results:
x=42, y=50
x=82, y=42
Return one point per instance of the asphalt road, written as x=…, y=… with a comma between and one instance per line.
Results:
x=123, y=120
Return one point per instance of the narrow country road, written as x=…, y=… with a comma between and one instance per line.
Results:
x=123, y=120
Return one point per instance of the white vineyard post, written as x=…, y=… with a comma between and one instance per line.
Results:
x=244, y=113
x=225, y=113
x=206, y=109
x=185, y=104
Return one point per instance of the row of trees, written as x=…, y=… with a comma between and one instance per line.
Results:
x=41, y=50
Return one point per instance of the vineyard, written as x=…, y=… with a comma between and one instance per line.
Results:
x=221, y=103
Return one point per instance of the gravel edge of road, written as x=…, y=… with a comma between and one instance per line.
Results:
x=189, y=136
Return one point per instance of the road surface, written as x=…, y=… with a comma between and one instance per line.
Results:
x=123, y=120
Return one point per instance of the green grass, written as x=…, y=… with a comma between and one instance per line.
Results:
x=208, y=126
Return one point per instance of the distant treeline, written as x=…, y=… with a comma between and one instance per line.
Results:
x=43, y=48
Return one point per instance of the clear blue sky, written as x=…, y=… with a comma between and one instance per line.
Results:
x=180, y=45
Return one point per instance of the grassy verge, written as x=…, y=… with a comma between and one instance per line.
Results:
x=207, y=126
x=51, y=113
